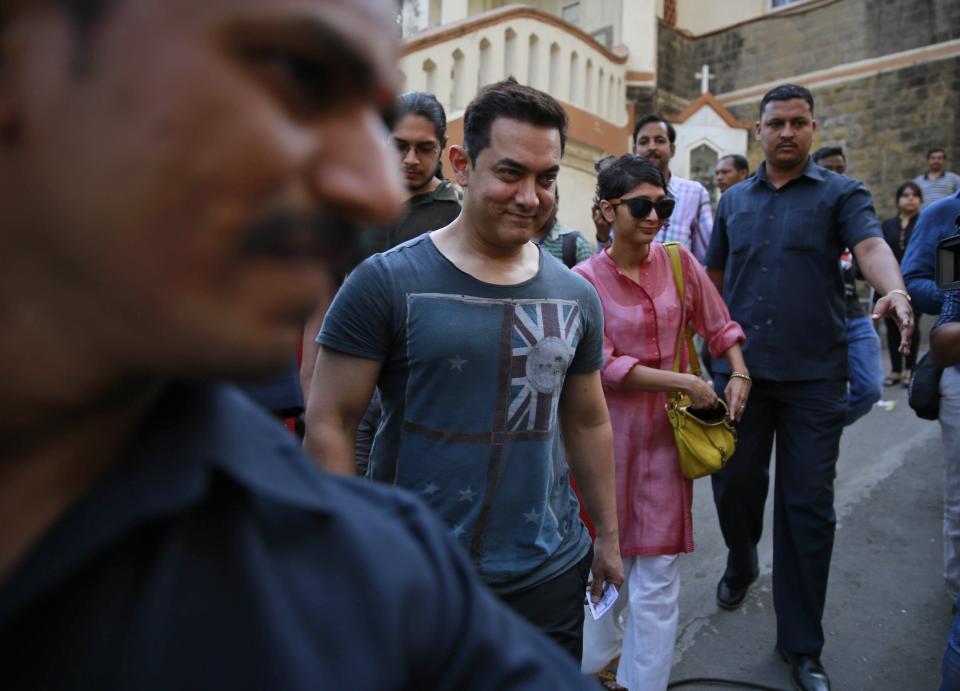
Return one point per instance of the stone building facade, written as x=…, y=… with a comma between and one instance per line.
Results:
x=885, y=75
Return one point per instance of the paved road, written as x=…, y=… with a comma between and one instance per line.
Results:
x=887, y=613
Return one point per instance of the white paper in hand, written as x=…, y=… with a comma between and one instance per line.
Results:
x=606, y=601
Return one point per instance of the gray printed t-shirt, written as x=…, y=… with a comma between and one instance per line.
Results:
x=470, y=384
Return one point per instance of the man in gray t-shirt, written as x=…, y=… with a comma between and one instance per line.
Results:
x=937, y=183
x=484, y=348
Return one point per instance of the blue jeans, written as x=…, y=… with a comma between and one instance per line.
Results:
x=866, y=368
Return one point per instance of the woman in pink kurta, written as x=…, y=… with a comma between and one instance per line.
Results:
x=642, y=313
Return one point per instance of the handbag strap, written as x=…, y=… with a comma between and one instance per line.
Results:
x=673, y=250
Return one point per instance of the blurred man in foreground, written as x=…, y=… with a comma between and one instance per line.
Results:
x=175, y=177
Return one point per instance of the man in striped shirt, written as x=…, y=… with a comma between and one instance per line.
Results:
x=937, y=183
x=692, y=220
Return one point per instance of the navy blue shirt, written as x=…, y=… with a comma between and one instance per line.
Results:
x=216, y=556
x=280, y=393
x=779, y=250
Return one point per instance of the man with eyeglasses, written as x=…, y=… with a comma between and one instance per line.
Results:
x=420, y=138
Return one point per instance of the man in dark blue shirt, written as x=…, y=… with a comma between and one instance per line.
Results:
x=937, y=222
x=774, y=254
x=169, y=175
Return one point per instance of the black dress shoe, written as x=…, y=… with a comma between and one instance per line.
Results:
x=806, y=671
x=730, y=596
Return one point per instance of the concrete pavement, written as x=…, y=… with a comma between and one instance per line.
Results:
x=887, y=613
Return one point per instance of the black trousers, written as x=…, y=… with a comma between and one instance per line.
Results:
x=556, y=606
x=805, y=419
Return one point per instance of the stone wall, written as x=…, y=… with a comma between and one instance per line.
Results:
x=781, y=46
x=675, y=70
x=886, y=123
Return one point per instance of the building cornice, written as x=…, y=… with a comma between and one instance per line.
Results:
x=433, y=36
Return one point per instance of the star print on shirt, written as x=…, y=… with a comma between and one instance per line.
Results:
x=532, y=516
x=466, y=494
x=430, y=489
x=456, y=363
x=458, y=530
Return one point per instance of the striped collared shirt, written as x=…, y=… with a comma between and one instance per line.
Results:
x=692, y=220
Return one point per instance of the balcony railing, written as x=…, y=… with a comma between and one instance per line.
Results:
x=541, y=50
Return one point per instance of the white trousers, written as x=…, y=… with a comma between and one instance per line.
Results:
x=641, y=626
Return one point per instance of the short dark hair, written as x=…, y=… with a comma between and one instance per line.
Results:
x=909, y=185
x=935, y=151
x=826, y=152
x=427, y=106
x=739, y=162
x=514, y=101
x=786, y=92
x=654, y=117
x=603, y=162
x=625, y=173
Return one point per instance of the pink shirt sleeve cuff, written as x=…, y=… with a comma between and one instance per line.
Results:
x=726, y=337
x=616, y=370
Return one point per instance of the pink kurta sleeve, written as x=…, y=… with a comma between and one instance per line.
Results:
x=616, y=367
x=709, y=313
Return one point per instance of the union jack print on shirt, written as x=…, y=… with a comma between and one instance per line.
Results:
x=543, y=337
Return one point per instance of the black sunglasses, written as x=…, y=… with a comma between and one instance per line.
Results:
x=640, y=206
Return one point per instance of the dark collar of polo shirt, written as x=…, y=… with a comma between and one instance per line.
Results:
x=192, y=435
x=182, y=562
x=811, y=170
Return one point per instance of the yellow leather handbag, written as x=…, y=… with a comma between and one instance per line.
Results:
x=705, y=437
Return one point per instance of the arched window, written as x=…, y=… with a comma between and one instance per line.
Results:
x=533, y=62
x=430, y=76
x=601, y=94
x=484, y=69
x=612, y=101
x=509, y=53
x=576, y=95
x=554, y=70
x=703, y=161
x=588, y=95
x=458, y=86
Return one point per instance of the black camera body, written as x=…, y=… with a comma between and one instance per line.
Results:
x=947, y=270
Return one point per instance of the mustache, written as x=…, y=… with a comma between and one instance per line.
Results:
x=325, y=238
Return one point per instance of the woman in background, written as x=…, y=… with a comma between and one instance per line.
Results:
x=897, y=232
